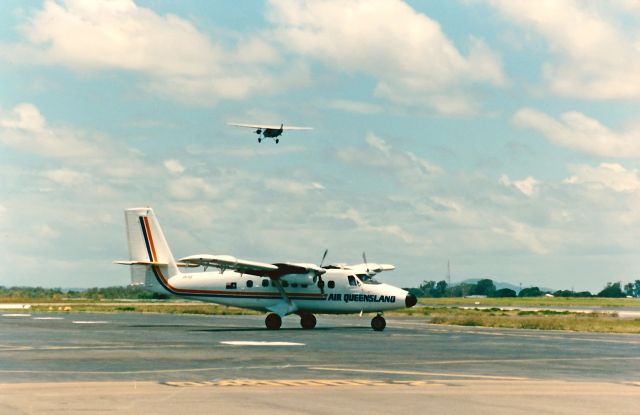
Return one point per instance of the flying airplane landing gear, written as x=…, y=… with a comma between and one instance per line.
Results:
x=307, y=321
x=277, y=140
x=273, y=321
x=378, y=323
x=259, y=139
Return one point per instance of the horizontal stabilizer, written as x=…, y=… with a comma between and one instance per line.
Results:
x=271, y=127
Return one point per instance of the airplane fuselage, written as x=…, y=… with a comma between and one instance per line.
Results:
x=343, y=292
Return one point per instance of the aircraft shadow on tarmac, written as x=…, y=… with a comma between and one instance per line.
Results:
x=245, y=329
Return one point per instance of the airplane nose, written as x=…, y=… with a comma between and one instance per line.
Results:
x=410, y=300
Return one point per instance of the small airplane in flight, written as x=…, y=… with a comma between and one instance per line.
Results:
x=280, y=288
x=270, y=131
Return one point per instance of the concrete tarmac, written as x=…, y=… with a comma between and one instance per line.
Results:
x=134, y=363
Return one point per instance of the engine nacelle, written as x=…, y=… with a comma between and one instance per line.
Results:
x=299, y=278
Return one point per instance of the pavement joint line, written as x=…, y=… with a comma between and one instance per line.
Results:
x=417, y=373
x=301, y=383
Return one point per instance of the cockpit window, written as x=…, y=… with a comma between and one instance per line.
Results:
x=368, y=279
x=353, y=281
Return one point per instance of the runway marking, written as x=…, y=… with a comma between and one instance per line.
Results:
x=259, y=343
x=301, y=382
x=409, y=372
x=17, y=315
x=149, y=371
x=90, y=322
x=48, y=318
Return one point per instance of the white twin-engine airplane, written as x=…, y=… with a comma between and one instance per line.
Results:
x=281, y=288
x=270, y=131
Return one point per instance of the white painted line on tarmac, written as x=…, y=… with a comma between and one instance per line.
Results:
x=256, y=343
x=90, y=322
x=48, y=318
x=410, y=372
x=16, y=315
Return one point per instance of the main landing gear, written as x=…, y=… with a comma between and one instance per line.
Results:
x=307, y=321
x=273, y=321
x=378, y=323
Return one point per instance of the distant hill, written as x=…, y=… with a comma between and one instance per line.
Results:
x=500, y=285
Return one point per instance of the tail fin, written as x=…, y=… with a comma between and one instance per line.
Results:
x=149, y=255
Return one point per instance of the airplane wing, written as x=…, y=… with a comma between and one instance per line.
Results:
x=270, y=127
x=229, y=262
x=251, y=267
x=362, y=268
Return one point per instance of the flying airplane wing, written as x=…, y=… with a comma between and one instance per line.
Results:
x=269, y=127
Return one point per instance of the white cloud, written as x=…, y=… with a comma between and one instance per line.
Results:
x=174, y=166
x=597, y=56
x=528, y=186
x=190, y=188
x=364, y=225
x=577, y=131
x=179, y=60
x=67, y=177
x=407, y=52
x=606, y=175
x=358, y=107
x=380, y=155
x=292, y=186
x=523, y=234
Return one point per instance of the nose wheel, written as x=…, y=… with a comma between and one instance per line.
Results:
x=273, y=321
x=378, y=323
x=307, y=321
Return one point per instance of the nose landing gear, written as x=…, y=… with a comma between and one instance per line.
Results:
x=378, y=323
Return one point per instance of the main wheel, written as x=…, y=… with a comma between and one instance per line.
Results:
x=378, y=323
x=273, y=321
x=277, y=140
x=307, y=321
x=259, y=140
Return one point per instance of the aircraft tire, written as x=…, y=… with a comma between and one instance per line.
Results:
x=378, y=323
x=308, y=321
x=259, y=140
x=273, y=321
x=277, y=140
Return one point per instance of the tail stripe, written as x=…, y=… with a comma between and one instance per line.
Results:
x=153, y=247
x=146, y=239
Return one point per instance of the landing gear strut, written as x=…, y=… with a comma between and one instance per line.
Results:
x=273, y=321
x=307, y=321
x=378, y=323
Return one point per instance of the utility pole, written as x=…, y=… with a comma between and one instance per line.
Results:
x=449, y=276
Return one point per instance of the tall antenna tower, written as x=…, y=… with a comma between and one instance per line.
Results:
x=449, y=273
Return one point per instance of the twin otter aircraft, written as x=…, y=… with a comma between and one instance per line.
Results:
x=282, y=288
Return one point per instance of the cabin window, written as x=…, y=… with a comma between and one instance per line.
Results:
x=265, y=282
x=331, y=284
x=294, y=284
x=249, y=283
x=231, y=286
x=304, y=285
x=352, y=280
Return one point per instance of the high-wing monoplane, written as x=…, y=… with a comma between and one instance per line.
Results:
x=270, y=131
x=281, y=288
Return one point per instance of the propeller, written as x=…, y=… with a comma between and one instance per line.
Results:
x=319, y=277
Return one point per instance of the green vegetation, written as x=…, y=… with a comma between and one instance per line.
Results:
x=541, y=320
x=532, y=302
x=14, y=294
x=486, y=287
x=167, y=307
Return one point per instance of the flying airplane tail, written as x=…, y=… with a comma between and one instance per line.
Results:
x=149, y=255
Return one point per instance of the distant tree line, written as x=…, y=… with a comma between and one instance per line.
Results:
x=134, y=292
x=487, y=287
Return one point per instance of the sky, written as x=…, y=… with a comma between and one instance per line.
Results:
x=500, y=135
